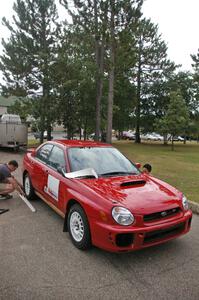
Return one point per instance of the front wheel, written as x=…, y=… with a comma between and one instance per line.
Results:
x=28, y=188
x=78, y=227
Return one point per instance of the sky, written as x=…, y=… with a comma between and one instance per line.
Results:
x=177, y=20
x=179, y=25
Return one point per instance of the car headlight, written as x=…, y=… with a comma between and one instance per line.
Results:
x=185, y=202
x=122, y=215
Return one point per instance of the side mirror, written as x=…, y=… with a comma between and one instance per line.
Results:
x=32, y=151
x=60, y=170
x=138, y=165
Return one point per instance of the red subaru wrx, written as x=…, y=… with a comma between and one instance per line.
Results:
x=103, y=197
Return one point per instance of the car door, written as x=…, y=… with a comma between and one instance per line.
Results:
x=38, y=166
x=55, y=186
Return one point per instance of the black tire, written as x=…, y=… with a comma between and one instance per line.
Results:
x=28, y=188
x=80, y=235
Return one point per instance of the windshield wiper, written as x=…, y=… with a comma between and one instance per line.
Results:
x=116, y=173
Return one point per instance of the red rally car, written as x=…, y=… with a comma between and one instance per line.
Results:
x=103, y=197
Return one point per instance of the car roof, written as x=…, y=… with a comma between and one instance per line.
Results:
x=80, y=143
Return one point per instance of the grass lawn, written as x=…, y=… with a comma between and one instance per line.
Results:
x=33, y=143
x=180, y=167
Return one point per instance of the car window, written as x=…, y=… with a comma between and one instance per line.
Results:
x=102, y=160
x=56, y=158
x=43, y=152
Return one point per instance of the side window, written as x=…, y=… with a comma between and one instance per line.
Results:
x=56, y=158
x=43, y=152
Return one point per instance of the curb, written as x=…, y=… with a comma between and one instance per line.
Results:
x=194, y=207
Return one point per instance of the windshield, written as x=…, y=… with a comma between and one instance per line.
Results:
x=106, y=161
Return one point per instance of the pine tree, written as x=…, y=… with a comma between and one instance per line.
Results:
x=102, y=24
x=176, y=118
x=152, y=64
x=29, y=54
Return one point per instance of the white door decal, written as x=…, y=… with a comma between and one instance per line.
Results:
x=52, y=187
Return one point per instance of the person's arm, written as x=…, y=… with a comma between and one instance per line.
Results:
x=16, y=185
x=21, y=186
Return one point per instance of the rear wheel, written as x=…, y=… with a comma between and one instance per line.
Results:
x=28, y=188
x=78, y=227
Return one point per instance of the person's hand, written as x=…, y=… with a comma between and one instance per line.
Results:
x=19, y=184
x=22, y=193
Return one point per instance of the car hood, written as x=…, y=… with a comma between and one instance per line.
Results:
x=140, y=193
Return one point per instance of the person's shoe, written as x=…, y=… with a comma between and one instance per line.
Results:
x=6, y=196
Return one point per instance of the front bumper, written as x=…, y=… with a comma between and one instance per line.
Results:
x=116, y=238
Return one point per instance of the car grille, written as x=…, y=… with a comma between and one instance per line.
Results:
x=124, y=239
x=162, y=214
x=163, y=233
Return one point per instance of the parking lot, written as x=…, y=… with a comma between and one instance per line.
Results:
x=38, y=260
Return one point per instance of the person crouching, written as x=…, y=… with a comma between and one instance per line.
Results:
x=8, y=183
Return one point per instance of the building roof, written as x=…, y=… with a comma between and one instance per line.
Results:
x=6, y=102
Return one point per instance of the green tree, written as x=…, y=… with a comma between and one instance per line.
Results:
x=29, y=54
x=89, y=21
x=176, y=119
x=151, y=64
x=105, y=27
x=124, y=16
x=74, y=81
x=21, y=107
x=195, y=116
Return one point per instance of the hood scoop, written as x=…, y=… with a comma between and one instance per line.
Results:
x=133, y=183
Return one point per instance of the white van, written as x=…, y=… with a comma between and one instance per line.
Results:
x=13, y=133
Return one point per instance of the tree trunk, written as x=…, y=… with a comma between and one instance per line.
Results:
x=49, y=133
x=42, y=120
x=85, y=133
x=41, y=137
x=99, y=92
x=97, y=59
x=165, y=139
x=137, y=127
x=185, y=140
x=99, y=55
x=172, y=144
x=48, y=126
x=111, y=76
x=85, y=129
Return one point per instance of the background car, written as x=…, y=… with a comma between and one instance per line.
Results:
x=152, y=137
x=158, y=137
x=104, y=198
x=175, y=138
x=147, y=137
x=37, y=135
x=128, y=135
x=178, y=138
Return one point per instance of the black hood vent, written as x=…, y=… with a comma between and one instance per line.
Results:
x=133, y=183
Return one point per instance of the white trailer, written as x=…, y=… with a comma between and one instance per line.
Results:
x=13, y=133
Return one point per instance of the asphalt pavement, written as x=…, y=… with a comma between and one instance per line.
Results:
x=38, y=261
